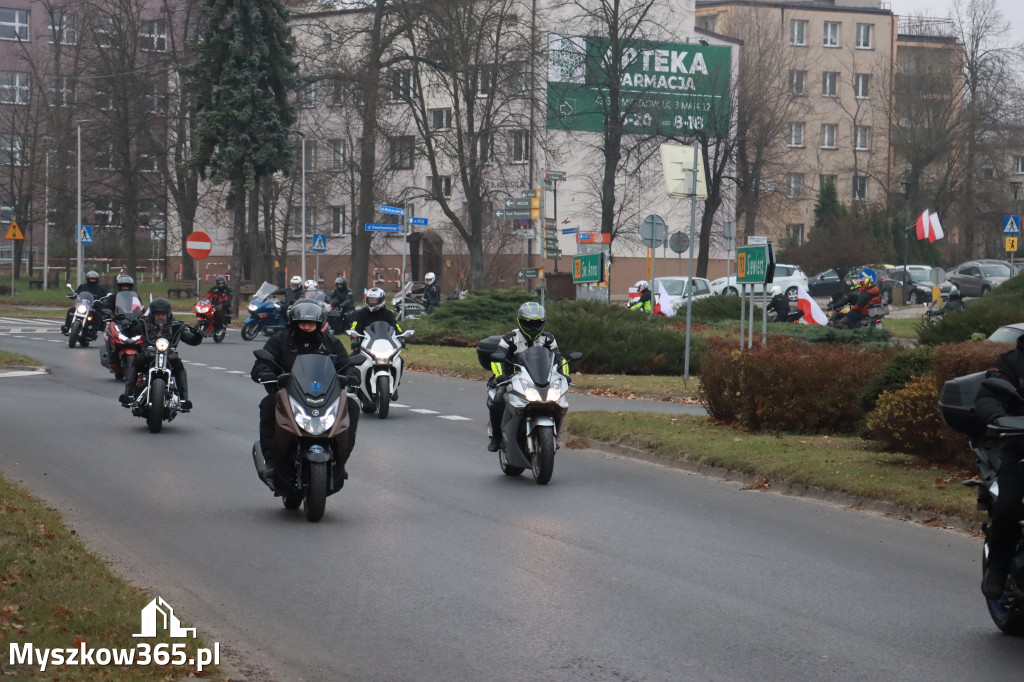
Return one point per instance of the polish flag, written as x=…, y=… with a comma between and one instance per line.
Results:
x=923, y=225
x=936, y=231
x=813, y=313
x=662, y=305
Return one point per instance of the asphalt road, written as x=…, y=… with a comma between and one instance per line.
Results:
x=431, y=565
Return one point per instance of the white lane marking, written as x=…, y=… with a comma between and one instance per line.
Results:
x=455, y=418
x=197, y=364
x=23, y=373
x=219, y=368
x=235, y=371
x=55, y=340
x=398, y=405
x=422, y=411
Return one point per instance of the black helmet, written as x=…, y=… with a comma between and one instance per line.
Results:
x=126, y=283
x=307, y=310
x=92, y=276
x=341, y=281
x=221, y=281
x=531, y=319
x=159, y=305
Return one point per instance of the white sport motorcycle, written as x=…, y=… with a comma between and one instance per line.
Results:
x=381, y=372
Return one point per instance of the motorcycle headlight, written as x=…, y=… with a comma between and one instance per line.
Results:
x=382, y=355
x=162, y=345
x=252, y=308
x=533, y=395
x=82, y=309
x=314, y=425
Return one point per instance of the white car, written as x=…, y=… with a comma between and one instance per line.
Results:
x=789, y=277
x=678, y=290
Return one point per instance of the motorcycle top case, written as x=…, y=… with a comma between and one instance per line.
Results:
x=484, y=350
x=957, y=403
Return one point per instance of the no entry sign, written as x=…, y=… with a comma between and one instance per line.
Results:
x=198, y=245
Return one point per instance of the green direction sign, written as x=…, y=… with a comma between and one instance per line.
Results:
x=588, y=269
x=512, y=213
x=665, y=88
x=755, y=264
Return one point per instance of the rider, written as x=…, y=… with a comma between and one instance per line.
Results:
x=293, y=292
x=159, y=321
x=220, y=296
x=643, y=303
x=341, y=297
x=780, y=304
x=867, y=295
x=531, y=319
x=309, y=285
x=431, y=291
x=302, y=336
x=1004, y=530
x=374, y=310
x=90, y=285
x=955, y=301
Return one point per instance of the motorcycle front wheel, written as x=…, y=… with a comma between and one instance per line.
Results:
x=544, y=456
x=155, y=415
x=1006, y=613
x=250, y=330
x=383, y=397
x=316, y=492
x=76, y=329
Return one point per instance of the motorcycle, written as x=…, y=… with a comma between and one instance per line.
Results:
x=156, y=394
x=415, y=306
x=206, y=318
x=956, y=402
x=837, y=310
x=311, y=431
x=266, y=314
x=320, y=297
x=86, y=319
x=381, y=371
x=535, y=403
x=120, y=350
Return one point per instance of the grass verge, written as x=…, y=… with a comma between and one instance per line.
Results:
x=55, y=593
x=839, y=464
x=8, y=359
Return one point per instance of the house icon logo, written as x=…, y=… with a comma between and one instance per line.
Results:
x=159, y=614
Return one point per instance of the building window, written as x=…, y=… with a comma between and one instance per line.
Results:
x=401, y=153
x=521, y=146
x=864, y=32
x=103, y=30
x=440, y=186
x=827, y=180
x=12, y=150
x=798, y=32
x=520, y=78
x=861, y=85
x=307, y=96
x=295, y=216
x=988, y=173
x=107, y=212
x=63, y=28
x=312, y=154
x=337, y=148
x=440, y=119
x=485, y=147
x=151, y=215
x=482, y=80
x=794, y=185
x=103, y=99
x=831, y=34
x=337, y=220
x=149, y=160
x=828, y=135
x=60, y=91
x=860, y=187
x=796, y=134
x=1018, y=165
x=106, y=158
x=13, y=24
x=796, y=82
x=13, y=87
x=795, y=234
x=829, y=83
x=862, y=137
x=153, y=36
x=401, y=85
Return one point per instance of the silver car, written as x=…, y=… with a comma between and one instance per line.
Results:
x=978, y=277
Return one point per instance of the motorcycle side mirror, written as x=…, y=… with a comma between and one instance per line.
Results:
x=352, y=332
x=408, y=333
x=575, y=355
x=68, y=285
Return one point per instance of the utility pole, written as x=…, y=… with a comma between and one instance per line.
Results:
x=907, y=185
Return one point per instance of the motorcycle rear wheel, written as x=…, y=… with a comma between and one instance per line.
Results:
x=155, y=415
x=76, y=329
x=544, y=457
x=383, y=397
x=316, y=492
x=1006, y=613
x=250, y=330
x=219, y=335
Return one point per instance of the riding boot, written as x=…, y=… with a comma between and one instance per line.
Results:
x=182, y=381
x=128, y=396
x=495, y=443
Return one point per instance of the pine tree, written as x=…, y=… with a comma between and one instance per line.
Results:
x=828, y=209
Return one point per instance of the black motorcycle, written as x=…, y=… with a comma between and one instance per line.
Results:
x=988, y=443
x=87, y=319
x=311, y=415
x=156, y=396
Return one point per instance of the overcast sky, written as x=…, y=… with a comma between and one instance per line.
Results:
x=1012, y=10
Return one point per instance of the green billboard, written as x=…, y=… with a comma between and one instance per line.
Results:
x=666, y=88
x=588, y=269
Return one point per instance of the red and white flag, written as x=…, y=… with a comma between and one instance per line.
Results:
x=923, y=225
x=936, y=231
x=813, y=313
x=662, y=305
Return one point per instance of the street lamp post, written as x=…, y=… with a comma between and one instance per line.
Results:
x=78, y=227
x=46, y=217
x=303, y=206
x=907, y=185
x=1016, y=189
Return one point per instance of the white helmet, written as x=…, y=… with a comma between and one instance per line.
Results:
x=641, y=284
x=429, y=278
x=775, y=290
x=310, y=285
x=295, y=281
x=374, y=298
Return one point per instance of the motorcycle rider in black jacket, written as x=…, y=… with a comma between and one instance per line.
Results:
x=220, y=296
x=302, y=336
x=159, y=321
x=431, y=291
x=1004, y=530
x=373, y=310
x=341, y=297
x=91, y=285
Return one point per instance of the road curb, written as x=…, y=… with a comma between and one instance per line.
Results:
x=767, y=484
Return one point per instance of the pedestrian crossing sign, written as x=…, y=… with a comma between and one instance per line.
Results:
x=85, y=234
x=1011, y=224
x=14, y=232
x=319, y=243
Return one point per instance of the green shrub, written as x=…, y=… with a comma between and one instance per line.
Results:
x=712, y=309
x=1002, y=305
x=467, y=320
x=895, y=375
x=822, y=334
x=908, y=420
x=788, y=385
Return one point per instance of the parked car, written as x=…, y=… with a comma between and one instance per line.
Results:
x=678, y=289
x=1008, y=333
x=789, y=277
x=978, y=277
x=917, y=282
x=828, y=283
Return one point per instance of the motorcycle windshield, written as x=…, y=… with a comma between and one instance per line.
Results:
x=381, y=330
x=127, y=302
x=84, y=297
x=537, y=360
x=264, y=292
x=314, y=377
x=318, y=296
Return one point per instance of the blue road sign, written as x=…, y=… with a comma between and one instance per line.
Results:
x=569, y=230
x=418, y=221
x=319, y=243
x=1011, y=224
x=393, y=210
x=86, y=234
x=377, y=227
